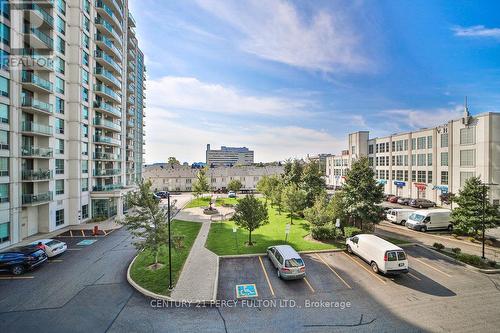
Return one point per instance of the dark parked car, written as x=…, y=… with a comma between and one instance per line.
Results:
x=20, y=259
x=393, y=199
x=422, y=203
x=404, y=201
x=162, y=194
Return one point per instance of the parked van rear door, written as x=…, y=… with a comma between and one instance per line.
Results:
x=395, y=260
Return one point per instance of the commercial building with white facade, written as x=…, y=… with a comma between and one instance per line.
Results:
x=229, y=156
x=71, y=84
x=428, y=162
x=182, y=178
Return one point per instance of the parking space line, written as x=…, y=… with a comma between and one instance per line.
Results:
x=83, y=234
x=73, y=249
x=334, y=272
x=71, y=233
x=366, y=269
x=308, y=284
x=16, y=277
x=267, y=277
x=434, y=268
x=55, y=260
x=413, y=276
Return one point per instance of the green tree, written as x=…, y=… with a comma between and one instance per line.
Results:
x=201, y=185
x=277, y=193
x=362, y=194
x=173, y=161
x=467, y=218
x=293, y=171
x=320, y=213
x=338, y=208
x=294, y=200
x=312, y=182
x=264, y=187
x=250, y=213
x=148, y=222
x=234, y=185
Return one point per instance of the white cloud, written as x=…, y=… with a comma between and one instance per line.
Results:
x=477, y=31
x=275, y=30
x=188, y=93
x=415, y=119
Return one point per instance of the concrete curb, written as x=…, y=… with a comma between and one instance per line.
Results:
x=216, y=284
x=470, y=267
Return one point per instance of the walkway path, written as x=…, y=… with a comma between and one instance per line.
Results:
x=198, y=278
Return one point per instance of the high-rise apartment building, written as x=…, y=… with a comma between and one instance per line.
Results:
x=71, y=113
x=229, y=156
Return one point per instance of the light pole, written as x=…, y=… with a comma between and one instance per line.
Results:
x=484, y=213
x=169, y=245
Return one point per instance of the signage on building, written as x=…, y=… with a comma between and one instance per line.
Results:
x=421, y=186
x=382, y=181
x=442, y=188
x=399, y=183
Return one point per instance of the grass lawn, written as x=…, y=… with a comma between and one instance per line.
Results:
x=221, y=239
x=395, y=241
x=157, y=281
x=199, y=202
x=231, y=201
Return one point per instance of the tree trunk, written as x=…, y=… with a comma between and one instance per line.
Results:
x=156, y=259
x=291, y=218
x=250, y=238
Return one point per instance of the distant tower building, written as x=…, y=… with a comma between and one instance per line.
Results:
x=229, y=156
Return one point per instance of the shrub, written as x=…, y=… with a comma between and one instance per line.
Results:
x=323, y=232
x=454, y=235
x=492, y=263
x=488, y=242
x=471, y=259
x=438, y=246
x=456, y=250
x=351, y=231
x=472, y=239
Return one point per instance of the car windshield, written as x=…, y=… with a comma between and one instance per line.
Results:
x=52, y=243
x=417, y=217
x=297, y=262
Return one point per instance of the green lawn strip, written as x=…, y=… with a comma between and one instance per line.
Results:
x=199, y=202
x=230, y=201
x=222, y=241
x=157, y=281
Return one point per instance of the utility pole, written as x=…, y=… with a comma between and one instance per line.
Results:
x=169, y=245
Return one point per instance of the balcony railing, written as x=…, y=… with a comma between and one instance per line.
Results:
x=37, y=152
x=32, y=127
x=108, y=108
x=108, y=91
x=106, y=139
x=28, y=77
x=47, y=40
x=107, y=188
x=40, y=174
x=108, y=75
x=109, y=27
x=109, y=43
x=109, y=124
x=106, y=156
x=109, y=11
x=30, y=102
x=30, y=199
x=106, y=172
x=109, y=60
x=46, y=16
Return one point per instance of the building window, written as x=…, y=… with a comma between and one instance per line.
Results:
x=85, y=76
x=370, y=149
x=4, y=232
x=85, y=166
x=85, y=94
x=60, y=146
x=59, y=167
x=4, y=193
x=4, y=166
x=85, y=58
x=421, y=176
x=61, y=6
x=60, y=45
x=59, y=105
x=429, y=159
x=468, y=136
x=85, y=148
x=4, y=86
x=59, y=126
x=5, y=9
x=4, y=140
x=421, y=160
x=85, y=131
x=85, y=112
x=4, y=34
x=85, y=212
x=413, y=176
x=59, y=85
x=429, y=177
x=85, y=38
x=59, y=186
x=444, y=140
x=468, y=158
x=464, y=175
x=4, y=113
x=85, y=184
x=444, y=159
x=59, y=217
x=59, y=65
x=413, y=144
x=86, y=6
x=444, y=177
x=406, y=175
x=429, y=142
x=421, y=142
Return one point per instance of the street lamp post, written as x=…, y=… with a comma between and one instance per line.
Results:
x=169, y=245
x=484, y=214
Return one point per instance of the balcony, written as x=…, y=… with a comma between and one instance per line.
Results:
x=101, y=122
x=106, y=140
x=37, y=175
x=103, y=156
x=36, y=199
x=130, y=123
x=104, y=107
x=107, y=44
x=107, y=62
x=38, y=39
x=106, y=172
x=107, y=29
x=31, y=104
x=36, y=83
x=36, y=128
x=36, y=152
x=116, y=7
x=131, y=111
x=107, y=92
x=107, y=188
x=46, y=18
x=106, y=12
x=107, y=77
x=37, y=60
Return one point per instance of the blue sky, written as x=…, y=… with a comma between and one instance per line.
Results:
x=287, y=78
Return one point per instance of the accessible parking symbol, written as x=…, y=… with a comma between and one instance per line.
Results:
x=246, y=290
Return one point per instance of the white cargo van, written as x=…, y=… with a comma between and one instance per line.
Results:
x=399, y=216
x=382, y=256
x=432, y=219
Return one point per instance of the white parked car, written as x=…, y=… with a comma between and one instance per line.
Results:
x=53, y=247
x=382, y=256
x=399, y=216
x=431, y=219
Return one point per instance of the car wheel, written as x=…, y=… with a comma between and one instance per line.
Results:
x=349, y=249
x=374, y=267
x=278, y=273
x=17, y=270
x=403, y=222
x=423, y=229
